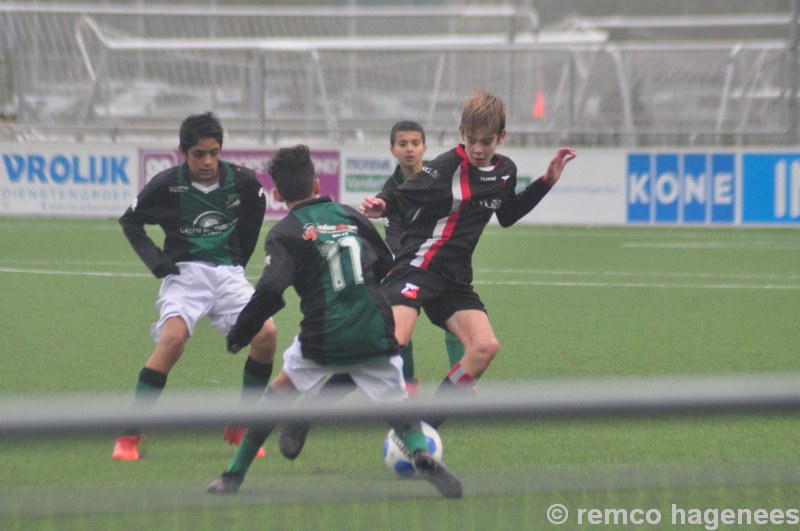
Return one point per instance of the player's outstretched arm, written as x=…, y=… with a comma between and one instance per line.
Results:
x=557, y=164
x=372, y=207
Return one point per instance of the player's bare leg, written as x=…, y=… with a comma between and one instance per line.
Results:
x=264, y=343
x=151, y=382
x=473, y=329
x=170, y=346
x=405, y=318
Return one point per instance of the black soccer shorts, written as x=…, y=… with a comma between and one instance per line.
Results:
x=440, y=298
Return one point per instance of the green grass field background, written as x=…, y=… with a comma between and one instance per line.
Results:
x=565, y=302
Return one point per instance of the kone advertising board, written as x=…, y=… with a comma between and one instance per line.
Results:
x=713, y=187
x=664, y=186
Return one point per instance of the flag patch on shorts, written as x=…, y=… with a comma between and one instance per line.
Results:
x=410, y=290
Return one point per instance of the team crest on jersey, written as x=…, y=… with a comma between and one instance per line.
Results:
x=233, y=201
x=430, y=171
x=209, y=219
x=310, y=232
x=410, y=290
x=492, y=204
x=208, y=223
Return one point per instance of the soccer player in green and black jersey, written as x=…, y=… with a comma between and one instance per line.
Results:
x=211, y=214
x=407, y=144
x=334, y=258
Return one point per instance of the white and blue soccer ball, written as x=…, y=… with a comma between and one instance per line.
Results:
x=397, y=457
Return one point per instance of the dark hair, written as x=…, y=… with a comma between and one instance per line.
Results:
x=292, y=171
x=405, y=125
x=199, y=126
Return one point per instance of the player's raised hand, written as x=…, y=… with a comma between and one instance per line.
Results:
x=372, y=207
x=556, y=166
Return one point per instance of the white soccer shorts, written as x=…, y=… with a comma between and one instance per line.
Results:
x=380, y=379
x=201, y=289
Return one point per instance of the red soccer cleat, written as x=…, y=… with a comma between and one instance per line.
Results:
x=234, y=434
x=412, y=388
x=126, y=448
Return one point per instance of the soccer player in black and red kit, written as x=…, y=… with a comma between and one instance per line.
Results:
x=457, y=194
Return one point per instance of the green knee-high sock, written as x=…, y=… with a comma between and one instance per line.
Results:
x=255, y=435
x=455, y=350
x=411, y=433
x=246, y=452
x=408, y=361
x=255, y=378
x=253, y=439
x=148, y=388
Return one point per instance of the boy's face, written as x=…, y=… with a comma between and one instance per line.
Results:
x=408, y=148
x=203, y=161
x=480, y=147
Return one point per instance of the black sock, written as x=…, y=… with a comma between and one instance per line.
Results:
x=148, y=388
x=255, y=378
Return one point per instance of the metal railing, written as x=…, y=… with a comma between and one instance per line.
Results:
x=344, y=75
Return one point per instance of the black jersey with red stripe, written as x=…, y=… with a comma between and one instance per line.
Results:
x=455, y=201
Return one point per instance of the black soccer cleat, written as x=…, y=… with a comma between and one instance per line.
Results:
x=292, y=438
x=437, y=474
x=227, y=483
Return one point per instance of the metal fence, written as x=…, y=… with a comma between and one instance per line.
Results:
x=345, y=74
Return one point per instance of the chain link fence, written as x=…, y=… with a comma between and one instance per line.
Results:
x=345, y=74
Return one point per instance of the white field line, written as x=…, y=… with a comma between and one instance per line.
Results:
x=712, y=246
x=557, y=283
x=28, y=227
x=646, y=285
x=28, y=271
x=89, y=263
x=649, y=233
x=664, y=274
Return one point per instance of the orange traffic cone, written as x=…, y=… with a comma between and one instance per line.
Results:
x=538, y=110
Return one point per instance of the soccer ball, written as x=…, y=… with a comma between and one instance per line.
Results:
x=397, y=457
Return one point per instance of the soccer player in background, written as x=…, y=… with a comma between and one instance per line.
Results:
x=211, y=212
x=334, y=258
x=456, y=195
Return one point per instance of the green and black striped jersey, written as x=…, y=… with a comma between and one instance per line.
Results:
x=218, y=226
x=335, y=258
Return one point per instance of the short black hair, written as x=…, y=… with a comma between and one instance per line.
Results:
x=199, y=126
x=292, y=171
x=405, y=125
